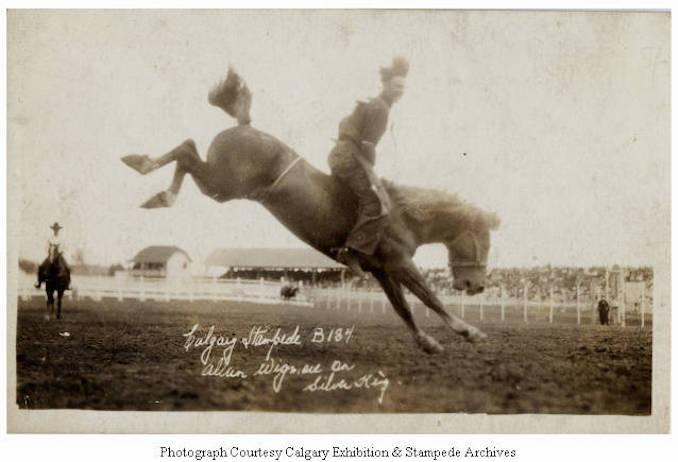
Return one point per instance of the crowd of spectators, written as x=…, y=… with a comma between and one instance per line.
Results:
x=540, y=280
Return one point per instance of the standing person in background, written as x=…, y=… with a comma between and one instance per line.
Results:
x=603, y=312
x=352, y=162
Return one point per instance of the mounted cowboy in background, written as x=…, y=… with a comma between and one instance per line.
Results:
x=55, y=259
x=54, y=271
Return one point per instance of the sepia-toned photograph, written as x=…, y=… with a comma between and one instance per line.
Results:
x=368, y=220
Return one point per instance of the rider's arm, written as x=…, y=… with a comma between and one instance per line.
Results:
x=374, y=118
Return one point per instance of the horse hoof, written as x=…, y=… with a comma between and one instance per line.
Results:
x=141, y=164
x=429, y=344
x=475, y=335
x=162, y=199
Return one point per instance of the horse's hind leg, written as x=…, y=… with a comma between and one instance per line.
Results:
x=411, y=278
x=144, y=164
x=395, y=295
x=188, y=161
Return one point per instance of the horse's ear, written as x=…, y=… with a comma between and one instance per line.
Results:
x=493, y=221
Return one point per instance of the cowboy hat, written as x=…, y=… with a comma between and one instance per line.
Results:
x=56, y=226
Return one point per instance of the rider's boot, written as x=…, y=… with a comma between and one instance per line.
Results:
x=37, y=285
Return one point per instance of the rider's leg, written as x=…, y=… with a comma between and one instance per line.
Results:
x=41, y=272
x=366, y=233
x=370, y=222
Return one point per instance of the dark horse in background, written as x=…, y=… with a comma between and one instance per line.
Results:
x=288, y=292
x=245, y=163
x=54, y=273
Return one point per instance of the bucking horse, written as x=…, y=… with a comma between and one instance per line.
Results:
x=245, y=163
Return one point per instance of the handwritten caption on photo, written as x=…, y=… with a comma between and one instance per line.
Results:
x=216, y=356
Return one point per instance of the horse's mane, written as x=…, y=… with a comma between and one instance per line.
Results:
x=422, y=204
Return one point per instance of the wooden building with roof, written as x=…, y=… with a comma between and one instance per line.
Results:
x=160, y=261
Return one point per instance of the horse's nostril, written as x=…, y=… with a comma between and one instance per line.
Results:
x=480, y=290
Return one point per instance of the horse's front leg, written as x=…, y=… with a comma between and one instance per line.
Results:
x=395, y=295
x=411, y=278
x=50, y=301
x=60, y=294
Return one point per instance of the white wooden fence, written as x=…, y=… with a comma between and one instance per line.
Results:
x=191, y=289
x=483, y=307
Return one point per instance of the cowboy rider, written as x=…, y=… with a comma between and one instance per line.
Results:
x=56, y=248
x=352, y=161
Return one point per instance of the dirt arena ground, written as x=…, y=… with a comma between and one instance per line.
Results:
x=131, y=355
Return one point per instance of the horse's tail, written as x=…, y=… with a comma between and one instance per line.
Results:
x=233, y=96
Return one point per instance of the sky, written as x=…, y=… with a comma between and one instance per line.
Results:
x=557, y=121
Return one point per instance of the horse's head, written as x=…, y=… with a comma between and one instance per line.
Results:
x=468, y=251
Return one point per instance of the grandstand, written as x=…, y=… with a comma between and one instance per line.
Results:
x=307, y=265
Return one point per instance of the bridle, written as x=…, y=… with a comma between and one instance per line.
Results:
x=475, y=263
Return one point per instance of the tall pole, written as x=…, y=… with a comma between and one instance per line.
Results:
x=482, y=299
x=607, y=284
x=461, y=302
x=622, y=296
x=551, y=307
x=642, y=306
x=503, y=304
x=579, y=302
x=525, y=284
